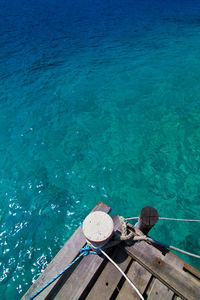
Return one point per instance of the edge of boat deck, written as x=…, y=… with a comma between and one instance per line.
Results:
x=157, y=272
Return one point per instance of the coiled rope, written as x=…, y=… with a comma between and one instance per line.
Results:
x=148, y=239
x=124, y=236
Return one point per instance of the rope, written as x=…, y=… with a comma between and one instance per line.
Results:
x=83, y=252
x=180, y=250
x=169, y=219
x=133, y=218
x=183, y=220
x=148, y=239
x=124, y=235
x=118, y=268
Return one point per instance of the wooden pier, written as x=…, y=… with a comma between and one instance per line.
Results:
x=156, y=272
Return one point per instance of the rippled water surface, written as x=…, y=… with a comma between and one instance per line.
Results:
x=99, y=101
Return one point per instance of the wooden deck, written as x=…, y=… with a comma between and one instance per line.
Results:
x=156, y=272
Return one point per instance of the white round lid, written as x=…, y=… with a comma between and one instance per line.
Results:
x=98, y=226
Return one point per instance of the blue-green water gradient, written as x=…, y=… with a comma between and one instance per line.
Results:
x=99, y=101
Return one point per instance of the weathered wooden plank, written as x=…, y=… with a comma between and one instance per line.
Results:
x=182, y=264
x=140, y=277
x=82, y=276
x=67, y=254
x=85, y=272
x=174, y=259
x=159, y=291
x=110, y=277
x=191, y=270
x=182, y=283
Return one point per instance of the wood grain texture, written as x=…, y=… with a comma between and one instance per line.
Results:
x=157, y=272
x=182, y=283
x=66, y=255
x=83, y=277
x=110, y=277
x=183, y=264
x=159, y=291
x=140, y=277
x=147, y=219
x=79, y=280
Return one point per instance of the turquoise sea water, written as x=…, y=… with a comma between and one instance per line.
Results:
x=99, y=101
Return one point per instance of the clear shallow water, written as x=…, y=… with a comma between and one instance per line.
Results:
x=99, y=101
